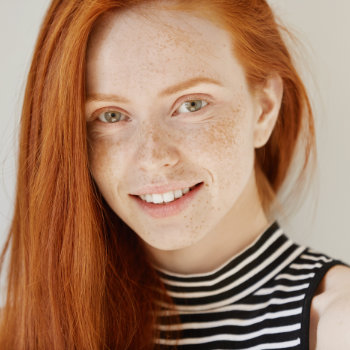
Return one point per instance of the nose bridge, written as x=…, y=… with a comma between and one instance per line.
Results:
x=156, y=146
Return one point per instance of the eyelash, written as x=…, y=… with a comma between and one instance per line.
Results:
x=112, y=109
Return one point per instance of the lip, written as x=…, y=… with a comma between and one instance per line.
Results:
x=168, y=209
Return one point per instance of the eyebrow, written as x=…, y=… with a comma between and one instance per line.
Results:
x=168, y=91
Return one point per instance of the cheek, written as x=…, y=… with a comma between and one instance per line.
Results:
x=227, y=145
x=105, y=162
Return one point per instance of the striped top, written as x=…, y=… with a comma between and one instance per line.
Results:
x=259, y=299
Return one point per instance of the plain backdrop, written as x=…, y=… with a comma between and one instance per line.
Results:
x=323, y=28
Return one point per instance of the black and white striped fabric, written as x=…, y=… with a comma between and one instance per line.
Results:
x=258, y=300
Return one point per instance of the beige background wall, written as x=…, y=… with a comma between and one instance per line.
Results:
x=324, y=29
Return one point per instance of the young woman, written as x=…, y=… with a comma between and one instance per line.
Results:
x=155, y=136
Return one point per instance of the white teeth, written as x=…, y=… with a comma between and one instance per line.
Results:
x=147, y=197
x=157, y=198
x=167, y=197
x=177, y=193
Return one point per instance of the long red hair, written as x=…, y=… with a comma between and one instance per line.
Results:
x=78, y=277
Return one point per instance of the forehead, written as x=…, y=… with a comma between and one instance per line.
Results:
x=151, y=43
x=161, y=25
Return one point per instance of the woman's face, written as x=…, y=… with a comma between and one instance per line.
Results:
x=168, y=105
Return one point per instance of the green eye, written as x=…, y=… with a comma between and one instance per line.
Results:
x=110, y=116
x=192, y=106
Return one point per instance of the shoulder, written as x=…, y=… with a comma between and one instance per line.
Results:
x=330, y=311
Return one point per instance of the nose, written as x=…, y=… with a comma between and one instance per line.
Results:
x=156, y=149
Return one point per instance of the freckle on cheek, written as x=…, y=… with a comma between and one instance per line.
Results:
x=225, y=134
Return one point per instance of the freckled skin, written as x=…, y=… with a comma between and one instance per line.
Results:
x=137, y=56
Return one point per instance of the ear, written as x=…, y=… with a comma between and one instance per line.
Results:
x=269, y=102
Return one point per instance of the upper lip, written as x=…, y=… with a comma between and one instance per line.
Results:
x=151, y=189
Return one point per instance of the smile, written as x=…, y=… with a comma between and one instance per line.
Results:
x=158, y=198
x=166, y=204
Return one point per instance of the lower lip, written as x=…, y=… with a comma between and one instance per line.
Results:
x=168, y=209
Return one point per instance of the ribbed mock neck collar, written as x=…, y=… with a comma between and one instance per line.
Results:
x=238, y=277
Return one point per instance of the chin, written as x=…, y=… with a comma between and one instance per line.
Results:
x=169, y=245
